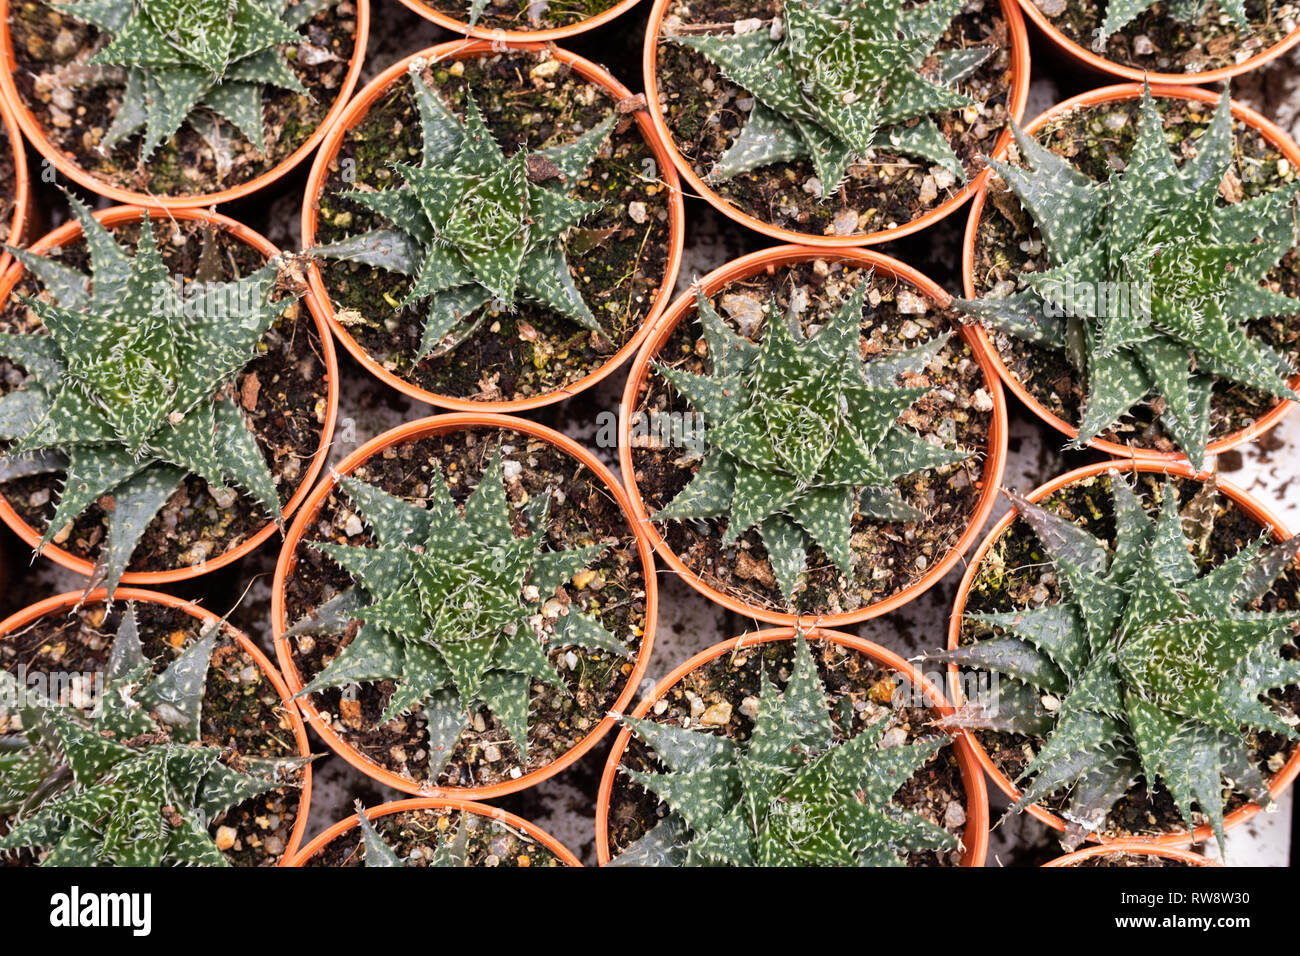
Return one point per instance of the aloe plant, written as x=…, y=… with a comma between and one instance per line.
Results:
x=1120, y=13
x=379, y=853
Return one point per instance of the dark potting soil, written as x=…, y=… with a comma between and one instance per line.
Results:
x=524, y=15
x=75, y=101
x=887, y=556
x=242, y=711
x=1154, y=41
x=283, y=391
x=1097, y=140
x=860, y=693
x=1014, y=574
x=618, y=255
x=582, y=512
x=416, y=834
x=8, y=183
x=706, y=112
x=1130, y=860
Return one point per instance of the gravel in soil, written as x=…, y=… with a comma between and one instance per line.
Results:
x=525, y=15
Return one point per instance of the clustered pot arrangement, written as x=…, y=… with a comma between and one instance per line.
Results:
x=834, y=122
x=513, y=247
x=462, y=604
x=1183, y=41
x=168, y=399
x=810, y=437
x=782, y=748
x=1141, y=622
x=143, y=733
x=444, y=832
x=1134, y=268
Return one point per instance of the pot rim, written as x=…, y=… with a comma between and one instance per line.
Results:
x=519, y=36
x=1131, y=846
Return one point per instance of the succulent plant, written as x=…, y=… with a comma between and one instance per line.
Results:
x=133, y=785
x=379, y=853
x=126, y=393
x=452, y=607
x=801, y=434
x=476, y=229
x=833, y=79
x=1153, y=277
x=187, y=59
x=1120, y=13
x=791, y=794
x=1153, y=663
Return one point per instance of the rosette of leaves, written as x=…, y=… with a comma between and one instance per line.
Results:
x=1153, y=664
x=450, y=608
x=134, y=784
x=1187, y=270
x=126, y=389
x=791, y=794
x=188, y=59
x=478, y=231
x=1120, y=13
x=801, y=435
x=834, y=79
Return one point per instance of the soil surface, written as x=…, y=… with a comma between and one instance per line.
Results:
x=705, y=113
x=1013, y=575
x=74, y=101
x=582, y=512
x=1130, y=860
x=242, y=711
x=283, y=391
x=860, y=693
x=887, y=556
x=1097, y=140
x=416, y=834
x=8, y=183
x=525, y=15
x=618, y=255
x=1156, y=42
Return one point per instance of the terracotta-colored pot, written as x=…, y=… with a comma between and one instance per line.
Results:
x=1018, y=97
x=356, y=111
x=1110, y=94
x=66, y=164
x=1134, y=848
x=532, y=830
x=1252, y=508
x=70, y=232
x=976, y=835
x=1088, y=58
x=500, y=35
x=68, y=602
x=413, y=431
x=22, y=185
x=768, y=260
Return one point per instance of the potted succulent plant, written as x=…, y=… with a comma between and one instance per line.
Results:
x=144, y=732
x=756, y=485
x=1190, y=41
x=831, y=121
x=461, y=604
x=781, y=748
x=1133, y=271
x=15, y=195
x=1131, y=853
x=168, y=399
x=1141, y=621
x=520, y=20
x=514, y=246
x=435, y=832
x=176, y=103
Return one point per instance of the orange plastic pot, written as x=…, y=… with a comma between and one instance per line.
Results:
x=1018, y=97
x=74, y=599
x=413, y=431
x=500, y=35
x=976, y=835
x=1134, y=848
x=356, y=111
x=1090, y=59
x=1252, y=508
x=768, y=260
x=532, y=830
x=22, y=185
x=67, y=165
x=1110, y=94
x=122, y=215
